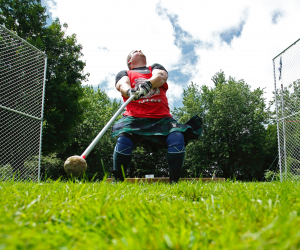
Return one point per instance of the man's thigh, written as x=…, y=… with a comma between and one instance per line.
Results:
x=133, y=137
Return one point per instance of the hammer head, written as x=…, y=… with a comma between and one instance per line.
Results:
x=75, y=166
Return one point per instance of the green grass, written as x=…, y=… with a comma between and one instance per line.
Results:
x=74, y=215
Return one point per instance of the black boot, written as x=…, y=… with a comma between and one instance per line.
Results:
x=120, y=161
x=175, y=162
x=174, y=176
x=118, y=175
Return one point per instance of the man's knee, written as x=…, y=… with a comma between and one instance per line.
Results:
x=124, y=146
x=175, y=142
x=122, y=157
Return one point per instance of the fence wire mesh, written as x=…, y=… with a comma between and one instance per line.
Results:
x=22, y=71
x=287, y=97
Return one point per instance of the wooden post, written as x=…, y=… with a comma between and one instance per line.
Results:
x=167, y=179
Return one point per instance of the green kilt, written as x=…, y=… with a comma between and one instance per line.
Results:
x=155, y=131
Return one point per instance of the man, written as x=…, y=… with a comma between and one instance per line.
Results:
x=147, y=120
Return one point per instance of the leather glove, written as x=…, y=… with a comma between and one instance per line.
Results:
x=131, y=92
x=144, y=88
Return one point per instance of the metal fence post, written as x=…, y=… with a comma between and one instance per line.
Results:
x=277, y=121
x=42, y=119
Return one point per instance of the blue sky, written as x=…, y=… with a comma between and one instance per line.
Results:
x=192, y=39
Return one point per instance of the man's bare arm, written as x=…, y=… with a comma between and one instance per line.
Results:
x=159, y=77
x=123, y=85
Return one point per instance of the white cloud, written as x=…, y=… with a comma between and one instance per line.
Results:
x=109, y=30
x=203, y=19
x=249, y=56
x=174, y=92
x=119, y=28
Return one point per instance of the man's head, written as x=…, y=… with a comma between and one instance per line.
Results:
x=135, y=59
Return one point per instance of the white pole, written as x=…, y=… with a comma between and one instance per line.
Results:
x=277, y=120
x=284, y=132
x=102, y=132
x=42, y=116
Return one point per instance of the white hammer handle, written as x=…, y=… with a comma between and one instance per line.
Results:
x=102, y=132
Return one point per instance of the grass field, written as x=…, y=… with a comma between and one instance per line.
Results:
x=75, y=215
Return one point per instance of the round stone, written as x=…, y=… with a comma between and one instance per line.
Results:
x=75, y=166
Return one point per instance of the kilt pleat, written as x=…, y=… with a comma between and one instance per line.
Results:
x=155, y=131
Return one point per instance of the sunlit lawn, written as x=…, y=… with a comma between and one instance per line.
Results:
x=82, y=215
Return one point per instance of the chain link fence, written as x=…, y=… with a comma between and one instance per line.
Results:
x=287, y=98
x=22, y=86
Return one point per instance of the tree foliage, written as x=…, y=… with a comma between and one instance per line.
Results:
x=192, y=104
x=271, y=148
x=63, y=108
x=27, y=17
x=97, y=111
x=64, y=74
x=145, y=162
x=233, y=137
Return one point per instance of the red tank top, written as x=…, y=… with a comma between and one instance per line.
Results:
x=154, y=104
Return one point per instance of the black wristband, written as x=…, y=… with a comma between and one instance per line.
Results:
x=149, y=84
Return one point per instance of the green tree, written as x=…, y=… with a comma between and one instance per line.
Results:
x=64, y=75
x=192, y=104
x=219, y=78
x=271, y=147
x=63, y=109
x=26, y=17
x=233, y=137
x=97, y=111
x=145, y=162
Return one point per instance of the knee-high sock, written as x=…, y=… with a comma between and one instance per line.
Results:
x=122, y=157
x=175, y=155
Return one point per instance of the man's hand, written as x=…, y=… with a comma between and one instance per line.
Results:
x=144, y=88
x=131, y=92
